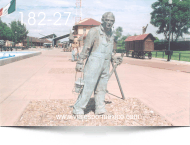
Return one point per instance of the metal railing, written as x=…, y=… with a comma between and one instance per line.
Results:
x=7, y=48
x=180, y=56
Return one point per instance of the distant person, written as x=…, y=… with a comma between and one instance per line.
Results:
x=77, y=55
x=73, y=54
x=74, y=51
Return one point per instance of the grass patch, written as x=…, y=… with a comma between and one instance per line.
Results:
x=184, y=55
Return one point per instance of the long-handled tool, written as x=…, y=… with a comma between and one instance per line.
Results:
x=114, y=70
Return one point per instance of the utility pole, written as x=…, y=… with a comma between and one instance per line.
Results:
x=169, y=52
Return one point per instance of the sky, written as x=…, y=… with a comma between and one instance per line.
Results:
x=131, y=15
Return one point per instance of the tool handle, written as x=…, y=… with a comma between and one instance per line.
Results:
x=121, y=90
x=112, y=71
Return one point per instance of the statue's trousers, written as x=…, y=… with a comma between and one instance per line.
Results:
x=96, y=75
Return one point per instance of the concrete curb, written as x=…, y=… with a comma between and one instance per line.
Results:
x=13, y=59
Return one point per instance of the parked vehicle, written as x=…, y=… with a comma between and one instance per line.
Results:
x=140, y=45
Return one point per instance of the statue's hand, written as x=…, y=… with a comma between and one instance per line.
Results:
x=79, y=65
x=118, y=60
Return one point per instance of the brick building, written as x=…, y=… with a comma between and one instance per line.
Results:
x=82, y=28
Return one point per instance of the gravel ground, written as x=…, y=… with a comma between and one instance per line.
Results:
x=129, y=112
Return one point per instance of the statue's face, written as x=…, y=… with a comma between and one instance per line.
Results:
x=108, y=22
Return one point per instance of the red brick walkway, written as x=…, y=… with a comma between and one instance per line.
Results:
x=51, y=76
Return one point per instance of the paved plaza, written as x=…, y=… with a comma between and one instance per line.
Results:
x=160, y=85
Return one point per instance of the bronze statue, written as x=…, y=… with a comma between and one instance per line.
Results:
x=144, y=29
x=97, y=50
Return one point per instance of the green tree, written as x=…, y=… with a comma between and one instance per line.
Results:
x=123, y=38
x=157, y=40
x=180, y=17
x=5, y=31
x=121, y=41
x=118, y=33
x=19, y=31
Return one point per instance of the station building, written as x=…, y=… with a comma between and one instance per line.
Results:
x=82, y=28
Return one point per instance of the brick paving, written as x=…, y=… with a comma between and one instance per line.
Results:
x=162, y=86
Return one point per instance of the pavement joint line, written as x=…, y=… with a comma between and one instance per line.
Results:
x=23, y=83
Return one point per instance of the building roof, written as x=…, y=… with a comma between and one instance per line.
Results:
x=88, y=22
x=61, y=37
x=139, y=37
x=34, y=39
x=49, y=36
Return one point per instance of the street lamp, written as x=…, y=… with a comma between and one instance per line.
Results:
x=169, y=52
x=15, y=39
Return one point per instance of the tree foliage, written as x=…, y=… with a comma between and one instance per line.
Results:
x=5, y=31
x=180, y=17
x=157, y=40
x=19, y=31
x=123, y=38
x=121, y=41
x=118, y=33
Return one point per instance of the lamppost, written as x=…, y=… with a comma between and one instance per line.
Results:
x=169, y=52
x=15, y=39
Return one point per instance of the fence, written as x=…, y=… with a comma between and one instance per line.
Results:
x=177, y=55
x=181, y=56
x=5, y=48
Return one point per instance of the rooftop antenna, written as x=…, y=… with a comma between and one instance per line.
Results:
x=78, y=11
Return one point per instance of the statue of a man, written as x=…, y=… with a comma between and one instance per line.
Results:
x=144, y=29
x=97, y=50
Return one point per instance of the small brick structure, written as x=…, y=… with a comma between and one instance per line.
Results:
x=140, y=45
